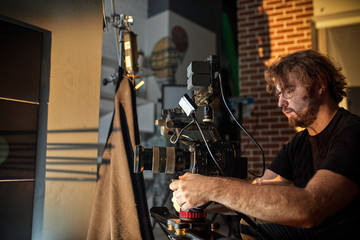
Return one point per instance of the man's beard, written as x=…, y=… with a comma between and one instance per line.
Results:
x=307, y=118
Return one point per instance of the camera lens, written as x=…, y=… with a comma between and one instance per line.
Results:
x=161, y=159
x=142, y=159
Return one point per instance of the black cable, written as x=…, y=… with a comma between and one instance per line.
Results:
x=245, y=131
x=261, y=232
x=252, y=133
x=207, y=146
x=213, y=217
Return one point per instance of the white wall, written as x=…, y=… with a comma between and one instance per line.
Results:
x=201, y=42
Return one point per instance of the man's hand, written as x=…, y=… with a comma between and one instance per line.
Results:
x=191, y=190
x=175, y=204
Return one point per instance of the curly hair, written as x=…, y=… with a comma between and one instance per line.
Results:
x=313, y=69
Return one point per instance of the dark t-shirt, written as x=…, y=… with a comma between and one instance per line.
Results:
x=336, y=148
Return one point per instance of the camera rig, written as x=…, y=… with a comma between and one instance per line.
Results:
x=204, y=154
x=201, y=151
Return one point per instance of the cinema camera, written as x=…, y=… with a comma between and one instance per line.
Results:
x=208, y=156
x=202, y=150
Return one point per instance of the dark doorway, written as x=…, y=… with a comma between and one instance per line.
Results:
x=24, y=87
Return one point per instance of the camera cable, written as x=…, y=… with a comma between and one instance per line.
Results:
x=242, y=128
x=206, y=144
x=180, y=133
x=259, y=230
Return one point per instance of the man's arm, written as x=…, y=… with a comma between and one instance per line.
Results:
x=325, y=194
x=271, y=177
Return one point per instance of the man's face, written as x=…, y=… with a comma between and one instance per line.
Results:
x=295, y=103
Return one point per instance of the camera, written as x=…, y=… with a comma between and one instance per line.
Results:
x=204, y=154
x=196, y=159
x=197, y=148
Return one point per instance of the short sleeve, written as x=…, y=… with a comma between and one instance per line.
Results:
x=343, y=155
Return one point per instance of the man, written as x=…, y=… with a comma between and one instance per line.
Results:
x=311, y=188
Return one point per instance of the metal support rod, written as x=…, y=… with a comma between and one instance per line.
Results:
x=17, y=180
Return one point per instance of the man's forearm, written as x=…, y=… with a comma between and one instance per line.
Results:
x=274, y=203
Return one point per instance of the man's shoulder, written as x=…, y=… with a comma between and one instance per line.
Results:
x=349, y=116
x=347, y=120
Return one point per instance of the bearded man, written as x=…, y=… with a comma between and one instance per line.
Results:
x=311, y=188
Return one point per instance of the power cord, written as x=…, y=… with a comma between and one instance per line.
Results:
x=242, y=128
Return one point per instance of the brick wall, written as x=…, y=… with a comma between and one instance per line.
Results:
x=268, y=29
